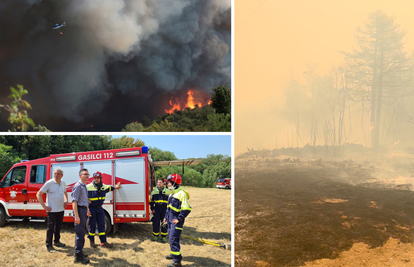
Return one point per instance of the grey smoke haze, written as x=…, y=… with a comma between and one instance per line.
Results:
x=116, y=59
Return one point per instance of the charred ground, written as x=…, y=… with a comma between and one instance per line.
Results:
x=290, y=210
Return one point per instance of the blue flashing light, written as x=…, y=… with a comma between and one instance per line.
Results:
x=144, y=150
x=24, y=160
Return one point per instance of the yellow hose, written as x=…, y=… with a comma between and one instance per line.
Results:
x=221, y=245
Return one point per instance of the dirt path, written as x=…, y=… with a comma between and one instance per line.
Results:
x=292, y=215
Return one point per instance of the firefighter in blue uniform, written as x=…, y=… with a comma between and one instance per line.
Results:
x=96, y=195
x=177, y=210
x=158, y=204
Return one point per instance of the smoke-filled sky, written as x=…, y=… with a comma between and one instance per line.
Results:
x=115, y=61
x=276, y=41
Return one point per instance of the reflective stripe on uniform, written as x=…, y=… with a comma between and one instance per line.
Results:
x=178, y=228
x=102, y=233
x=91, y=234
x=175, y=252
x=96, y=198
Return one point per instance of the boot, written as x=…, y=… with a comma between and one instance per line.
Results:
x=164, y=240
x=106, y=245
x=79, y=258
x=174, y=264
x=155, y=238
x=93, y=245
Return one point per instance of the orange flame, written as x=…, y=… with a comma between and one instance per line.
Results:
x=190, y=102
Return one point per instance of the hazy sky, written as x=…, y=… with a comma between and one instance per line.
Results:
x=188, y=146
x=276, y=41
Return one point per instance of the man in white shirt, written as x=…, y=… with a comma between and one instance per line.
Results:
x=56, y=202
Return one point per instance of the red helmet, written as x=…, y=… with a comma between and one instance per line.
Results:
x=97, y=174
x=174, y=178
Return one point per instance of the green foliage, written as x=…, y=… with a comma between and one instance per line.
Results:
x=145, y=121
x=125, y=142
x=219, y=122
x=39, y=146
x=221, y=100
x=7, y=159
x=133, y=127
x=163, y=126
x=160, y=155
x=40, y=128
x=18, y=118
x=190, y=177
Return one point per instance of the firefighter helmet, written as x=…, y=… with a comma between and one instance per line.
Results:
x=97, y=174
x=174, y=178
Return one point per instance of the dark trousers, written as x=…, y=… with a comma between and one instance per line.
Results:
x=80, y=229
x=174, y=232
x=97, y=215
x=54, y=223
x=157, y=219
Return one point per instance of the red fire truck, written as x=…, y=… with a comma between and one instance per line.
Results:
x=133, y=167
x=224, y=183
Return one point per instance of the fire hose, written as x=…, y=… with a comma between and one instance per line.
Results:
x=221, y=245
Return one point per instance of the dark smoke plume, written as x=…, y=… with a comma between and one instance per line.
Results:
x=115, y=61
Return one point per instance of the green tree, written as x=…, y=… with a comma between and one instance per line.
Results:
x=18, y=118
x=8, y=157
x=221, y=100
x=380, y=65
x=145, y=121
x=190, y=177
x=160, y=155
x=133, y=127
x=164, y=126
x=126, y=142
x=219, y=122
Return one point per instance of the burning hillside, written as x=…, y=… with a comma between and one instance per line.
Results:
x=116, y=61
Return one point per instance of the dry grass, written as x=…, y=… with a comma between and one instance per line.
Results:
x=23, y=243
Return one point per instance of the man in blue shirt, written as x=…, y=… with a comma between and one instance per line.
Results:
x=80, y=210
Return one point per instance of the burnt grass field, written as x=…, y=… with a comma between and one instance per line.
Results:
x=289, y=211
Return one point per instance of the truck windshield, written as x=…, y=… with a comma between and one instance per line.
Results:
x=15, y=176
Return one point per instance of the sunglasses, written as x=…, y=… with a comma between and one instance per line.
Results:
x=97, y=175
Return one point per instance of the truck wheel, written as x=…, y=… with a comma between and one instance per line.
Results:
x=108, y=226
x=2, y=217
x=227, y=187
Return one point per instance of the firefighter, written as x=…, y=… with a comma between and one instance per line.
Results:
x=158, y=204
x=177, y=210
x=96, y=195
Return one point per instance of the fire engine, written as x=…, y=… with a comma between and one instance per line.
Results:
x=224, y=183
x=133, y=167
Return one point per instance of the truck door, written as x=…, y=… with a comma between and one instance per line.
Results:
x=37, y=178
x=15, y=191
x=130, y=202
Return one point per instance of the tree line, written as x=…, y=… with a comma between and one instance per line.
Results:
x=14, y=148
